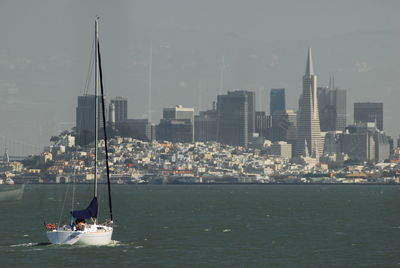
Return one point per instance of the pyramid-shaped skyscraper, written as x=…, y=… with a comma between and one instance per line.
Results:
x=308, y=129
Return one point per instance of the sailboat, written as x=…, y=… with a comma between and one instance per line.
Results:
x=84, y=228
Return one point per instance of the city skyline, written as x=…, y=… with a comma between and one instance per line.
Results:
x=40, y=81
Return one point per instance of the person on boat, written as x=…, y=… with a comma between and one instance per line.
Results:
x=80, y=224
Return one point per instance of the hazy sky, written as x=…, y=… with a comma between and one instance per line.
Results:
x=45, y=52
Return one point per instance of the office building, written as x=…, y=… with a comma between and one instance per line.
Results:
x=175, y=130
x=85, y=119
x=277, y=100
x=365, y=112
x=332, y=142
x=139, y=128
x=232, y=114
x=177, y=125
x=119, y=110
x=308, y=128
x=332, y=107
x=263, y=125
x=251, y=108
x=205, y=125
x=364, y=142
x=284, y=126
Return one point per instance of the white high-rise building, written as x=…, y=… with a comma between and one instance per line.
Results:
x=308, y=129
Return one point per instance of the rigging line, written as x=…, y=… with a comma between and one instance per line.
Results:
x=88, y=78
x=90, y=69
x=105, y=131
x=62, y=209
x=73, y=192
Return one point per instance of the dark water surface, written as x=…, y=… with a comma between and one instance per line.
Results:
x=215, y=226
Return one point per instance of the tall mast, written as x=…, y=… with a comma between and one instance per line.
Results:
x=103, y=106
x=96, y=109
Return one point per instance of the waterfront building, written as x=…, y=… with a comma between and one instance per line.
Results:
x=308, y=128
x=277, y=100
x=232, y=114
x=365, y=112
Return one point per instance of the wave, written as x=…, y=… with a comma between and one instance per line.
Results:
x=31, y=244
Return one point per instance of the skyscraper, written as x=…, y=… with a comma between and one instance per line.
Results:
x=177, y=125
x=120, y=109
x=85, y=119
x=365, y=112
x=308, y=128
x=332, y=107
x=263, y=125
x=205, y=125
x=277, y=100
x=232, y=113
x=251, y=109
x=284, y=126
x=251, y=101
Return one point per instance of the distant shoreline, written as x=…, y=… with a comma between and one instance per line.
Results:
x=146, y=184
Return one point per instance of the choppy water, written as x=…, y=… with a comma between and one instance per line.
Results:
x=216, y=226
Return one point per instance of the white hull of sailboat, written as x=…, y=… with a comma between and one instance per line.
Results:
x=91, y=238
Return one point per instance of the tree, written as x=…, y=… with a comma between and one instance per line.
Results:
x=55, y=139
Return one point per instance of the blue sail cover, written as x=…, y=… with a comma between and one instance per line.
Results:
x=89, y=212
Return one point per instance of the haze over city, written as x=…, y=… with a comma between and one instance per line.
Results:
x=45, y=54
